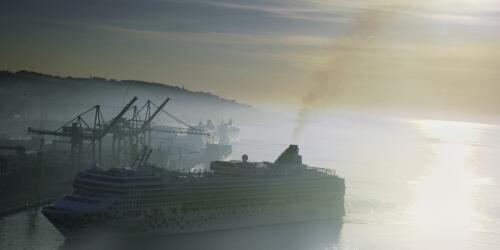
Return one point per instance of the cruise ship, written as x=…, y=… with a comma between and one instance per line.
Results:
x=147, y=200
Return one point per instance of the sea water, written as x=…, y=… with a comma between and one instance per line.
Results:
x=411, y=184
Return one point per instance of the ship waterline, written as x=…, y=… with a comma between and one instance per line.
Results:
x=151, y=201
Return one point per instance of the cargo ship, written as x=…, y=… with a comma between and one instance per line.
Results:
x=150, y=201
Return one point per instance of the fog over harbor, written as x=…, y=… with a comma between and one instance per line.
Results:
x=431, y=185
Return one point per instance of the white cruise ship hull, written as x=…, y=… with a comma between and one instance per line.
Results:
x=154, y=223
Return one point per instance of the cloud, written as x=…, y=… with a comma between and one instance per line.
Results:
x=280, y=43
x=298, y=10
x=222, y=38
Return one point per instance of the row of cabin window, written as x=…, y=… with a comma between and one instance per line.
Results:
x=88, y=201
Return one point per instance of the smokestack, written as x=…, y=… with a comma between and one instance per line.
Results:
x=290, y=156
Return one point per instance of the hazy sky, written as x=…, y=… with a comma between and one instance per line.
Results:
x=410, y=54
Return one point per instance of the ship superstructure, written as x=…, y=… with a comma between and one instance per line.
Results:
x=154, y=201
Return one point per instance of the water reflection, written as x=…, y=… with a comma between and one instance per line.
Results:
x=303, y=236
x=32, y=216
x=444, y=204
x=456, y=204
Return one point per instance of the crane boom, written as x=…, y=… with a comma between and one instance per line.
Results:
x=86, y=135
x=117, y=118
x=177, y=119
x=45, y=132
x=146, y=123
x=176, y=130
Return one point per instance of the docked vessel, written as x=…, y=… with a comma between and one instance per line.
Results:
x=228, y=133
x=194, y=146
x=152, y=201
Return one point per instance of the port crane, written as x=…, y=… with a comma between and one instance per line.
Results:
x=127, y=133
x=190, y=130
x=133, y=132
x=80, y=130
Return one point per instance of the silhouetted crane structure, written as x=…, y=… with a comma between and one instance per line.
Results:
x=131, y=133
x=128, y=134
x=80, y=130
x=177, y=130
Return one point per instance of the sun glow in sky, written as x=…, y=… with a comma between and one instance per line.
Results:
x=408, y=55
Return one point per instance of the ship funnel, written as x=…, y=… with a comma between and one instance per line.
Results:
x=290, y=156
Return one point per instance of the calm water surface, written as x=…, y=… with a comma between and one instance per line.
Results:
x=411, y=184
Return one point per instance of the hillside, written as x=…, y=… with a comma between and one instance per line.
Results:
x=41, y=100
x=29, y=94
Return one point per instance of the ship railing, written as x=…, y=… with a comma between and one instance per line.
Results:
x=326, y=171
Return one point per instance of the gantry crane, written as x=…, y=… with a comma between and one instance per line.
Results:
x=127, y=133
x=80, y=130
x=127, y=136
